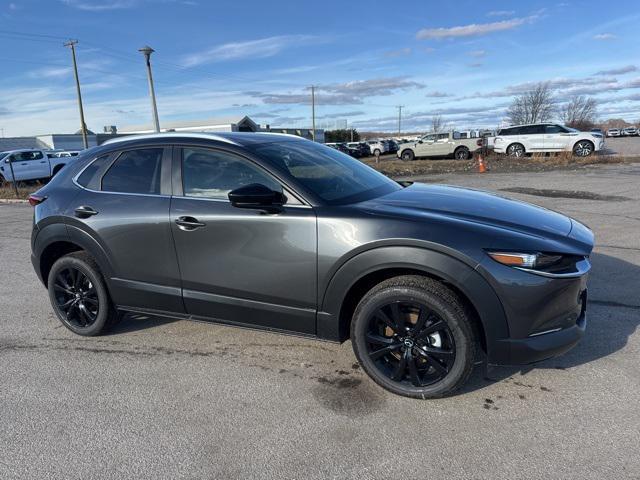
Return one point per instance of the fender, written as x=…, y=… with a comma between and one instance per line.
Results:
x=57, y=232
x=460, y=274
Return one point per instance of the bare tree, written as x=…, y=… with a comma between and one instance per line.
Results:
x=534, y=106
x=580, y=112
x=437, y=124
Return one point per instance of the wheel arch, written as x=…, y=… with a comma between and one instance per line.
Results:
x=360, y=273
x=57, y=240
x=408, y=149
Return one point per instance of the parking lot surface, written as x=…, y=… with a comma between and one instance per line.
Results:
x=625, y=146
x=160, y=398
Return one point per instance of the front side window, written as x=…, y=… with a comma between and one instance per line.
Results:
x=135, y=171
x=25, y=156
x=554, y=129
x=330, y=175
x=213, y=174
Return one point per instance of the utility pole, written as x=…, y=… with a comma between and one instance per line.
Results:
x=400, y=107
x=83, y=127
x=313, y=112
x=147, y=51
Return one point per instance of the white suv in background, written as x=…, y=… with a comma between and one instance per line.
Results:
x=519, y=140
x=377, y=147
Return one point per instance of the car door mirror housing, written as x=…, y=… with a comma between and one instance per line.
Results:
x=256, y=196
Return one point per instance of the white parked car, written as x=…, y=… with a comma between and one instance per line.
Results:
x=613, y=132
x=630, y=132
x=30, y=165
x=520, y=140
x=377, y=147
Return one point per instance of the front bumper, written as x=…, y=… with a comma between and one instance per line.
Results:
x=546, y=316
x=542, y=346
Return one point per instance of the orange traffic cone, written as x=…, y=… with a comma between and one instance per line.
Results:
x=481, y=166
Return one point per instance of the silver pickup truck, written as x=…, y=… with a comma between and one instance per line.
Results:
x=449, y=144
x=29, y=164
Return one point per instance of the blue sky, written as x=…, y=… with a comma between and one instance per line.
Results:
x=222, y=58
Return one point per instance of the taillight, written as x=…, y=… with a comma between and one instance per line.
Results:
x=36, y=199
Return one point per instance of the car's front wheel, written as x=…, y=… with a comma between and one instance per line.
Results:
x=413, y=336
x=79, y=295
x=583, y=148
x=462, y=153
x=407, y=155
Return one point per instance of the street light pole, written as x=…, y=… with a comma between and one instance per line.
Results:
x=147, y=51
x=313, y=112
x=400, y=119
x=83, y=127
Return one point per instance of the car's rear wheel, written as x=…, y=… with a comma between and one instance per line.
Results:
x=407, y=155
x=413, y=336
x=79, y=295
x=461, y=153
x=583, y=148
x=516, y=150
x=376, y=152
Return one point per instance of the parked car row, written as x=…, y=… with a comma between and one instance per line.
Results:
x=623, y=132
x=30, y=164
x=366, y=149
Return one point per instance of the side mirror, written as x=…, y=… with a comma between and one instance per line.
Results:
x=420, y=141
x=256, y=196
x=8, y=159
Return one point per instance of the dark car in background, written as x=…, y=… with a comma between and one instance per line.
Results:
x=284, y=234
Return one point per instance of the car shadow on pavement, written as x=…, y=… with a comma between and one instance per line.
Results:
x=613, y=315
x=133, y=322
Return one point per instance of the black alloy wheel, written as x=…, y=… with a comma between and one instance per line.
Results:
x=410, y=343
x=79, y=295
x=414, y=337
x=76, y=297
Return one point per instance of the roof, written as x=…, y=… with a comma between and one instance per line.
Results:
x=16, y=143
x=207, y=123
x=235, y=138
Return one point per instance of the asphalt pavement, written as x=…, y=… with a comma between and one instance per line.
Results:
x=163, y=398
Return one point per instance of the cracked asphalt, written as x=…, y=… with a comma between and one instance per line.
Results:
x=163, y=398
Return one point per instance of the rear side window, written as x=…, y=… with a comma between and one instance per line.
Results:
x=135, y=171
x=532, y=130
x=89, y=177
x=508, y=131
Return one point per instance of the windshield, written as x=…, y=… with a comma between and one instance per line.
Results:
x=330, y=175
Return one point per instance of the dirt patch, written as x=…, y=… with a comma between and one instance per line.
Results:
x=348, y=396
x=540, y=192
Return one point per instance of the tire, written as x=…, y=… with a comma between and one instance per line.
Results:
x=79, y=295
x=461, y=153
x=583, y=148
x=516, y=150
x=376, y=152
x=407, y=155
x=434, y=355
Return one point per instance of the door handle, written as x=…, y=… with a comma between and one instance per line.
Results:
x=24, y=163
x=188, y=223
x=85, y=212
x=43, y=161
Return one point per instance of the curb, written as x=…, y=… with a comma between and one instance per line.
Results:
x=12, y=200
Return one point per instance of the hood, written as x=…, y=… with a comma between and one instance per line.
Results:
x=471, y=205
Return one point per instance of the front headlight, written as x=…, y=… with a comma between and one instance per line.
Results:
x=537, y=261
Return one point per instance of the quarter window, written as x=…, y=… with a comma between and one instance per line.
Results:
x=89, y=177
x=135, y=171
x=213, y=174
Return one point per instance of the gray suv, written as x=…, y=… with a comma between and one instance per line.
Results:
x=283, y=234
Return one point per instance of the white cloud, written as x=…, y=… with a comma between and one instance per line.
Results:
x=101, y=5
x=604, y=36
x=475, y=29
x=619, y=71
x=261, y=48
x=501, y=13
x=478, y=53
x=402, y=52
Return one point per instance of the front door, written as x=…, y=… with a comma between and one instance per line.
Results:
x=241, y=265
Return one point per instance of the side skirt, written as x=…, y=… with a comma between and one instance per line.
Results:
x=230, y=323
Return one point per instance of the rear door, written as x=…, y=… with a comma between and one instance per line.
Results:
x=532, y=137
x=124, y=205
x=240, y=265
